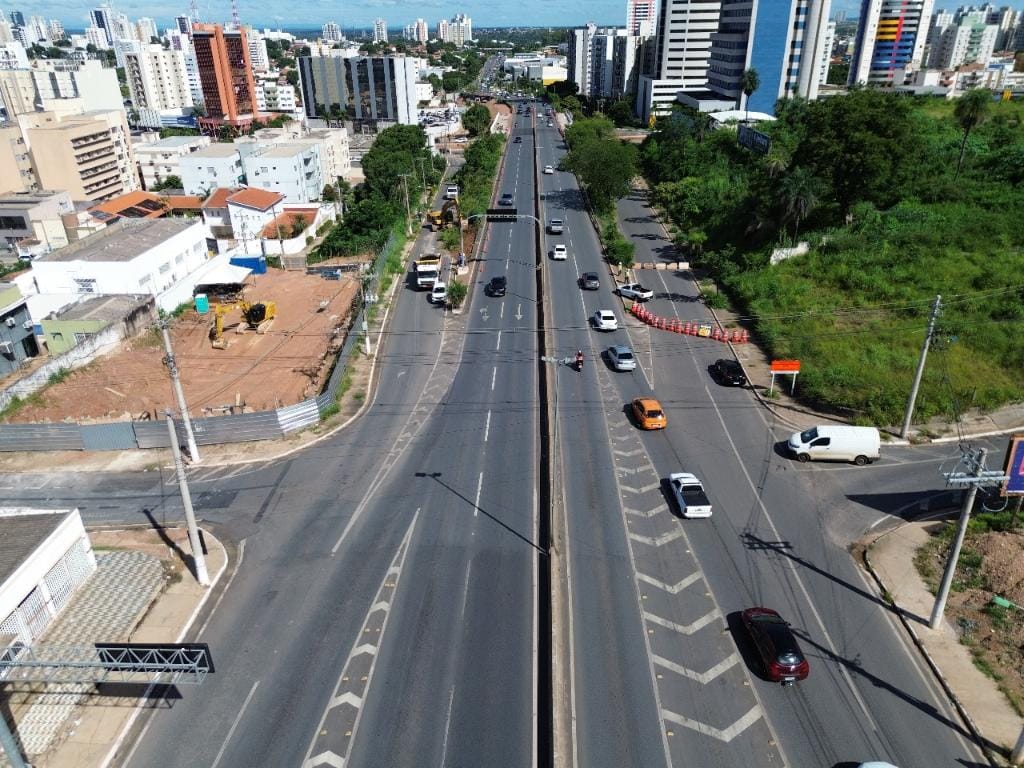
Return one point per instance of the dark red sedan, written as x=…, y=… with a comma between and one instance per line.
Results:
x=783, y=660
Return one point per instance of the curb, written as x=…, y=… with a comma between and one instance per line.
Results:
x=979, y=739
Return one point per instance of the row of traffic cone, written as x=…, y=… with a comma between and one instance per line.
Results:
x=690, y=327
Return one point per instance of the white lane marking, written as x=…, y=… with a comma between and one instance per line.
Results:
x=498, y=346
x=447, y=726
x=701, y=677
x=501, y=314
x=494, y=376
x=684, y=629
x=487, y=428
x=234, y=725
x=535, y=588
x=479, y=488
x=400, y=374
x=796, y=576
x=726, y=735
x=658, y=541
x=672, y=589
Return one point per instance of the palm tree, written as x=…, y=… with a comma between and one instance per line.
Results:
x=749, y=82
x=971, y=111
x=798, y=194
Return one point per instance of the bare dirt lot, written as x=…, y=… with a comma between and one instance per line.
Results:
x=991, y=564
x=283, y=366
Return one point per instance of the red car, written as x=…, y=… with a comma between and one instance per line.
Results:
x=783, y=660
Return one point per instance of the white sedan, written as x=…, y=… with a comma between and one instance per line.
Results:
x=634, y=291
x=548, y=169
x=605, y=320
x=559, y=252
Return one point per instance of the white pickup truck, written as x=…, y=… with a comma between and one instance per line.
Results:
x=689, y=495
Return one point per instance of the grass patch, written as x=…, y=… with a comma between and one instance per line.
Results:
x=61, y=374
x=329, y=411
x=980, y=661
x=18, y=403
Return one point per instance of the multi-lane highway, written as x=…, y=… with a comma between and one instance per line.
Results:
x=386, y=606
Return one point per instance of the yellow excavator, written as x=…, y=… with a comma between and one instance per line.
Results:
x=257, y=316
x=447, y=215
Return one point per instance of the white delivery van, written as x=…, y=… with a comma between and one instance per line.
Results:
x=836, y=443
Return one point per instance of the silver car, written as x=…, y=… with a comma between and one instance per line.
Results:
x=621, y=358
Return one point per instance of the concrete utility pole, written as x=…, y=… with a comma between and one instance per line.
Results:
x=978, y=476
x=172, y=366
x=936, y=307
x=408, y=212
x=186, y=500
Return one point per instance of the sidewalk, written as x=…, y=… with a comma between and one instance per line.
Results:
x=142, y=593
x=890, y=559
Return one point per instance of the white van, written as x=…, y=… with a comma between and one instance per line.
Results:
x=836, y=443
x=439, y=293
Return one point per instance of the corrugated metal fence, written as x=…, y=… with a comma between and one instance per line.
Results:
x=242, y=428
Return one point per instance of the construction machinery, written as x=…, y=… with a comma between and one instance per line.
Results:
x=257, y=316
x=447, y=215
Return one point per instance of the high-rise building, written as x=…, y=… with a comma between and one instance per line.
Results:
x=380, y=31
x=12, y=56
x=961, y=38
x=157, y=81
x=6, y=31
x=145, y=30
x=56, y=30
x=332, y=33
x=422, y=33
x=96, y=36
x=826, y=56
x=460, y=29
x=681, y=55
x=641, y=17
x=183, y=24
x=785, y=46
x=603, y=62
x=258, y=51
x=60, y=86
x=442, y=30
x=103, y=17
x=38, y=30
x=367, y=89
x=1006, y=19
x=225, y=72
x=17, y=18
x=891, y=35
x=840, y=17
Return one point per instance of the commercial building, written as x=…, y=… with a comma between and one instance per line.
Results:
x=33, y=222
x=275, y=96
x=293, y=169
x=641, y=17
x=130, y=256
x=158, y=83
x=368, y=89
x=89, y=155
x=891, y=35
x=225, y=72
x=158, y=160
x=218, y=165
x=380, y=31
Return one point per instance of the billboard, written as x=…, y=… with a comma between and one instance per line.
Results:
x=1014, y=467
x=754, y=140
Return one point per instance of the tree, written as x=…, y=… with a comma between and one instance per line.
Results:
x=621, y=112
x=477, y=120
x=169, y=182
x=286, y=62
x=292, y=76
x=299, y=225
x=605, y=165
x=329, y=194
x=749, y=82
x=457, y=293
x=971, y=111
x=799, y=193
x=572, y=104
x=54, y=52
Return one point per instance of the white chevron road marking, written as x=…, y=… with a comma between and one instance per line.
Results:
x=672, y=589
x=684, y=629
x=726, y=734
x=657, y=541
x=701, y=677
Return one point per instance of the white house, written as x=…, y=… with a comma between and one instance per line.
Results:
x=130, y=256
x=159, y=159
x=250, y=210
x=47, y=557
x=218, y=165
x=295, y=169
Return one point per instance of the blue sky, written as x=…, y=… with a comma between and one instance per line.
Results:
x=397, y=12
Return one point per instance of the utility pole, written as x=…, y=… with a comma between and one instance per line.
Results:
x=186, y=500
x=936, y=307
x=366, y=328
x=408, y=213
x=978, y=476
x=172, y=366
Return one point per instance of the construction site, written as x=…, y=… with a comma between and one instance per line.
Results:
x=269, y=345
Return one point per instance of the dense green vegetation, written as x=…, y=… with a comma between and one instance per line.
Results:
x=397, y=163
x=476, y=177
x=869, y=181
x=605, y=165
x=477, y=120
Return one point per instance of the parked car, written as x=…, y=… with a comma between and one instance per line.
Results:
x=634, y=291
x=648, y=413
x=589, y=281
x=728, y=373
x=497, y=286
x=621, y=358
x=605, y=320
x=559, y=253
x=506, y=199
x=783, y=660
x=548, y=169
x=555, y=227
